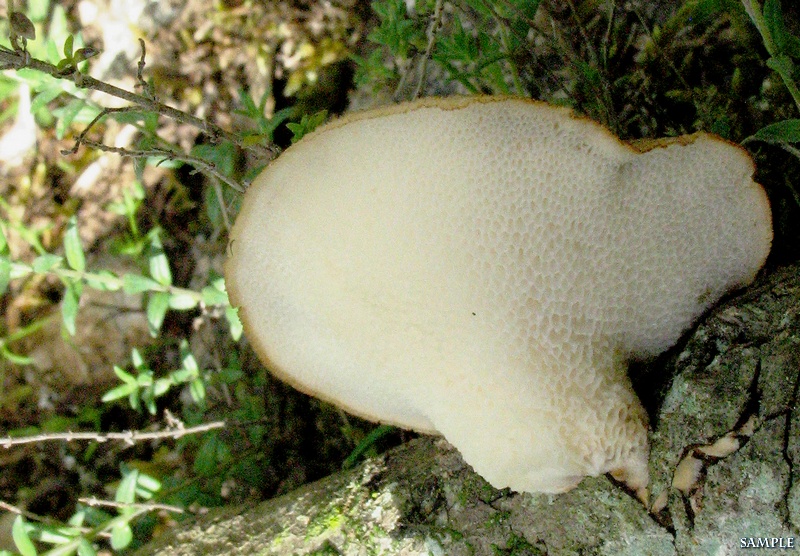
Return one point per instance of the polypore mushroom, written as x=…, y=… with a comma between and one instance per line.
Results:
x=484, y=268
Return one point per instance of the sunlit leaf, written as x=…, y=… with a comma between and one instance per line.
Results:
x=124, y=376
x=72, y=246
x=105, y=280
x=119, y=392
x=69, y=305
x=68, y=44
x=188, y=361
x=21, y=539
x=159, y=265
x=121, y=536
x=126, y=491
x=182, y=301
x=5, y=273
x=45, y=263
x=85, y=548
x=157, y=306
x=197, y=389
x=135, y=283
x=148, y=483
x=161, y=387
x=235, y=325
x=213, y=296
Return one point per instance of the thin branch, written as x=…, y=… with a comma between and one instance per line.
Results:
x=149, y=506
x=199, y=163
x=433, y=28
x=30, y=516
x=81, y=139
x=146, y=87
x=223, y=209
x=18, y=59
x=129, y=437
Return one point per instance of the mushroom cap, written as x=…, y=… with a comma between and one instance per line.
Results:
x=485, y=267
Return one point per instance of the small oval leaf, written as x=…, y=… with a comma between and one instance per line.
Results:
x=72, y=246
x=157, y=307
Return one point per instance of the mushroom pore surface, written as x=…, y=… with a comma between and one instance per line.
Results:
x=484, y=268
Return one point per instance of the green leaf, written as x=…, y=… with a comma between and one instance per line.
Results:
x=307, y=125
x=137, y=359
x=46, y=263
x=38, y=10
x=786, y=131
x=147, y=119
x=159, y=265
x=149, y=400
x=5, y=273
x=69, y=305
x=161, y=387
x=72, y=246
x=145, y=378
x=121, y=536
x=223, y=156
x=396, y=31
x=68, y=46
x=135, y=283
x=376, y=434
x=105, y=280
x=126, y=491
x=67, y=116
x=44, y=97
x=157, y=307
x=83, y=54
x=527, y=8
x=182, y=301
x=19, y=270
x=51, y=535
x=197, y=389
x=148, y=483
x=783, y=65
x=21, y=539
x=188, y=361
x=3, y=242
x=85, y=548
x=119, y=392
x=211, y=452
x=250, y=108
x=213, y=296
x=124, y=376
x=773, y=18
x=182, y=375
x=235, y=325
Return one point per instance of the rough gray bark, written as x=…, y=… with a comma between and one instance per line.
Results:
x=735, y=379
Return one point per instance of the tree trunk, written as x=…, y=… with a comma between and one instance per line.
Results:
x=723, y=412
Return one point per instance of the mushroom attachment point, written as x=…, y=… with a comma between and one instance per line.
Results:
x=484, y=269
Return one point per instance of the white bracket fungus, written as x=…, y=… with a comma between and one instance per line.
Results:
x=484, y=268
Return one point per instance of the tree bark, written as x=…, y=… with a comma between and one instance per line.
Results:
x=723, y=411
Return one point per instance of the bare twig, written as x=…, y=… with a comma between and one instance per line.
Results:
x=18, y=59
x=199, y=163
x=81, y=139
x=433, y=28
x=221, y=200
x=147, y=88
x=129, y=437
x=149, y=506
x=30, y=516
